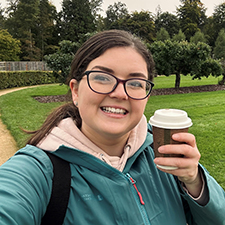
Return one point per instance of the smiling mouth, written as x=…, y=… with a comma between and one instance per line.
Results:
x=114, y=110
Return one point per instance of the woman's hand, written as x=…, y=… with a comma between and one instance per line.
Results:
x=187, y=171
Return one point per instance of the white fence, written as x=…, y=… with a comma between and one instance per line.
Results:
x=24, y=66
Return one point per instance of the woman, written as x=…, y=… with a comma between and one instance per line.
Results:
x=108, y=143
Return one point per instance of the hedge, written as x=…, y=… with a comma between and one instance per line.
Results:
x=25, y=78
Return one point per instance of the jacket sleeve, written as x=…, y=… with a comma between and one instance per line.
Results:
x=25, y=187
x=211, y=213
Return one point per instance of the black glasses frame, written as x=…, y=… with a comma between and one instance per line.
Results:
x=118, y=81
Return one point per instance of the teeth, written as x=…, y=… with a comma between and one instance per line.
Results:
x=114, y=110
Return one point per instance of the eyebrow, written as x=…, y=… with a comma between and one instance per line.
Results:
x=108, y=70
x=105, y=69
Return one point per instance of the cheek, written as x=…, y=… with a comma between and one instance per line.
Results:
x=139, y=106
x=88, y=101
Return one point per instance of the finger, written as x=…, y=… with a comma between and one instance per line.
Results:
x=186, y=171
x=185, y=137
x=183, y=174
x=179, y=149
x=181, y=163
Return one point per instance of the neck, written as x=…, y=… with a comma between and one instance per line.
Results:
x=113, y=146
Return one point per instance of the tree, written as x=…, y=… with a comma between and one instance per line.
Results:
x=209, y=67
x=209, y=31
x=9, y=47
x=2, y=18
x=218, y=20
x=168, y=21
x=95, y=6
x=115, y=12
x=21, y=23
x=192, y=17
x=45, y=28
x=183, y=58
x=138, y=23
x=60, y=61
x=162, y=35
x=76, y=20
x=169, y=58
x=179, y=37
x=201, y=62
x=219, y=51
x=198, y=37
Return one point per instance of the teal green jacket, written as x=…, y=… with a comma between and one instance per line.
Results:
x=100, y=194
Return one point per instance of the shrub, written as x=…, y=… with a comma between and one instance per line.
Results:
x=26, y=78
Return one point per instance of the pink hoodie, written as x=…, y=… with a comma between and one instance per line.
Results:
x=67, y=134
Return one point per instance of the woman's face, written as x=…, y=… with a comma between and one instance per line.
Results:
x=99, y=119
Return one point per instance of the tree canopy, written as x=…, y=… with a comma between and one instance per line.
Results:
x=115, y=12
x=22, y=24
x=219, y=50
x=218, y=20
x=9, y=47
x=198, y=37
x=76, y=20
x=162, y=35
x=138, y=23
x=180, y=36
x=178, y=58
x=192, y=17
x=167, y=21
x=40, y=28
x=60, y=61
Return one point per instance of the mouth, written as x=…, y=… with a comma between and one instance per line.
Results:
x=114, y=110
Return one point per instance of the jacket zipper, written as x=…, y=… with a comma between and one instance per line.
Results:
x=138, y=199
x=134, y=184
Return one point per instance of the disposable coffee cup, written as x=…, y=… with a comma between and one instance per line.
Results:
x=165, y=123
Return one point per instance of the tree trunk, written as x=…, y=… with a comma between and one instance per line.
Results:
x=177, y=82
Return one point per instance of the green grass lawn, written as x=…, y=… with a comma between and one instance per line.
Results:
x=207, y=111
x=186, y=81
x=20, y=110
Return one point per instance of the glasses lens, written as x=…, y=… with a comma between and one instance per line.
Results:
x=138, y=88
x=101, y=82
x=104, y=83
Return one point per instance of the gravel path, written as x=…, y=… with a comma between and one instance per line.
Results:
x=7, y=143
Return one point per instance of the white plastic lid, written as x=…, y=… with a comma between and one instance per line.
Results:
x=170, y=119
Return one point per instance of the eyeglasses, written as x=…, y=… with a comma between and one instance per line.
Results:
x=105, y=83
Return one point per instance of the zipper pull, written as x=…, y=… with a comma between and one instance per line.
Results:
x=134, y=184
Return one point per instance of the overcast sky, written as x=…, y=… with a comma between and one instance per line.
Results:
x=150, y=5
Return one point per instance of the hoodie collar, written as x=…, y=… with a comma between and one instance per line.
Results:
x=67, y=134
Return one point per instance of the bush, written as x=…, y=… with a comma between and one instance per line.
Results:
x=26, y=78
x=60, y=61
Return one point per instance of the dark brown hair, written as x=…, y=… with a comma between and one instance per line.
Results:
x=91, y=49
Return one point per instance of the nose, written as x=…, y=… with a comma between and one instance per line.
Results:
x=119, y=92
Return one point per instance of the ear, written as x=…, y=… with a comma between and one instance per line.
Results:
x=74, y=90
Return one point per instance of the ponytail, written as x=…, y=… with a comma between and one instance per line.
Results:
x=62, y=112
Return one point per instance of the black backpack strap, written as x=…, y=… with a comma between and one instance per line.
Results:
x=56, y=209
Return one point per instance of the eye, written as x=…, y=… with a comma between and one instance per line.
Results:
x=100, y=78
x=136, y=84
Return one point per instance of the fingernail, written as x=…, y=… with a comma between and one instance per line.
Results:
x=175, y=136
x=160, y=149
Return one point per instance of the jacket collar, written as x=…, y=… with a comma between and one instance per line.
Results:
x=67, y=134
